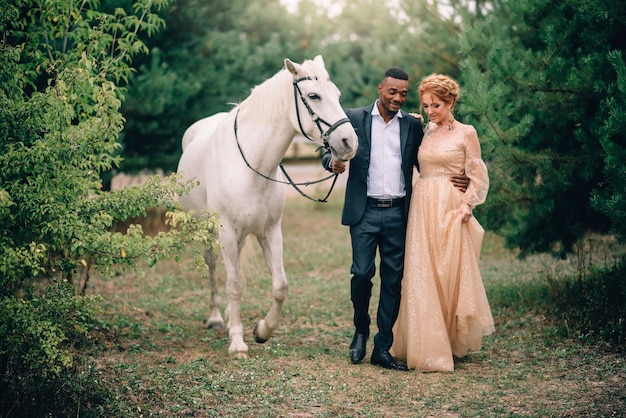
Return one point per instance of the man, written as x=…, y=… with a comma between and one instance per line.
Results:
x=378, y=192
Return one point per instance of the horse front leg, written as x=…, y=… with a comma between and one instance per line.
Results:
x=272, y=246
x=231, y=252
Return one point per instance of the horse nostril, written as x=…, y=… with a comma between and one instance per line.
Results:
x=349, y=143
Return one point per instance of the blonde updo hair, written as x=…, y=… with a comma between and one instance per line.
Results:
x=442, y=86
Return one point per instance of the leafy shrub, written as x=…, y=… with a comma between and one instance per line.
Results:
x=60, y=66
x=39, y=372
x=593, y=307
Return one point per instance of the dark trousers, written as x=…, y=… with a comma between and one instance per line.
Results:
x=383, y=229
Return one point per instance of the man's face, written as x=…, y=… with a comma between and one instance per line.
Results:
x=392, y=94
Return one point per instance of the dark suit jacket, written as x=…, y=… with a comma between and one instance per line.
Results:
x=356, y=188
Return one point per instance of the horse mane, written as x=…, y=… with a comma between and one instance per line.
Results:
x=272, y=98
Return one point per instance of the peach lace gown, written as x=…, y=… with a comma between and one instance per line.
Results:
x=444, y=311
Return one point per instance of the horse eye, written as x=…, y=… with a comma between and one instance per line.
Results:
x=314, y=96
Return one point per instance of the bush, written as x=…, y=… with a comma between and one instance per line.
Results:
x=39, y=373
x=593, y=307
x=60, y=67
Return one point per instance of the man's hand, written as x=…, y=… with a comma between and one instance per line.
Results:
x=460, y=181
x=337, y=166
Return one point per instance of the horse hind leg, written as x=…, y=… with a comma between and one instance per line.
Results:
x=215, y=320
x=272, y=247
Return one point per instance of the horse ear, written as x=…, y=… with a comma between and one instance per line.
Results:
x=291, y=66
x=319, y=60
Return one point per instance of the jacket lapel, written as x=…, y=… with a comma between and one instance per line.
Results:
x=367, y=128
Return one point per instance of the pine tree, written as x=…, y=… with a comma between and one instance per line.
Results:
x=610, y=196
x=536, y=76
x=207, y=58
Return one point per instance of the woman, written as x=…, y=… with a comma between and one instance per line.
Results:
x=444, y=310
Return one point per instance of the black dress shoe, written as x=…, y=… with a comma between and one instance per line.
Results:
x=357, y=348
x=384, y=359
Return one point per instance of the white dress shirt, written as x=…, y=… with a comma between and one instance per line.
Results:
x=385, y=179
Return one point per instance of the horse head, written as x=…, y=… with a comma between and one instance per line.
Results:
x=317, y=112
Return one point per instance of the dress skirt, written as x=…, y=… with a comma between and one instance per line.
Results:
x=444, y=311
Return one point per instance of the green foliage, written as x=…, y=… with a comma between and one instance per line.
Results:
x=42, y=371
x=610, y=197
x=209, y=57
x=38, y=331
x=537, y=76
x=545, y=87
x=592, y=306
x=60, y=67
x=212, y=53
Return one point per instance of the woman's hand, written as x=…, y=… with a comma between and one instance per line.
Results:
x=464, y=212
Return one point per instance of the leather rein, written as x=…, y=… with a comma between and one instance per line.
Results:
x=324, y=135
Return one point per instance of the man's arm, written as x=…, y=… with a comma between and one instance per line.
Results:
x=331, y=164
x=326, y=158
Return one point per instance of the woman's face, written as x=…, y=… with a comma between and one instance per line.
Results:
x=436, y=109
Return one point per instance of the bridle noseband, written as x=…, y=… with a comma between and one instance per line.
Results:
x=324, y=136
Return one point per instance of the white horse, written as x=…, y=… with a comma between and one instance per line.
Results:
x=236, y=157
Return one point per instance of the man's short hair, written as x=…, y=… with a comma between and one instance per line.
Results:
x=396, y=73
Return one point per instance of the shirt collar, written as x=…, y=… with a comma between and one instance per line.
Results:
x=376, y=112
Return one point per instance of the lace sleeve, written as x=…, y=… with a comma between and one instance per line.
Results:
x=476, y=170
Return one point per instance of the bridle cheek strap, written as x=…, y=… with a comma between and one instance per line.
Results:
x=314, y=116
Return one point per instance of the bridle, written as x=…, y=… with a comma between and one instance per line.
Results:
x=324, y=136
x=314, y=116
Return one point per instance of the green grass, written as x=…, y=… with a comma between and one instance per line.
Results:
x=158, y=359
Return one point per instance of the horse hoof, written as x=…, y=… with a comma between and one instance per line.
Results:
x=257, y=333
x=259, y=340
x=238, y=350
x=239, y=355
x=215, y=325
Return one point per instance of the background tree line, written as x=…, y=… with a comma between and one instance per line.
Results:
x=210, y=54
x=543, y=82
